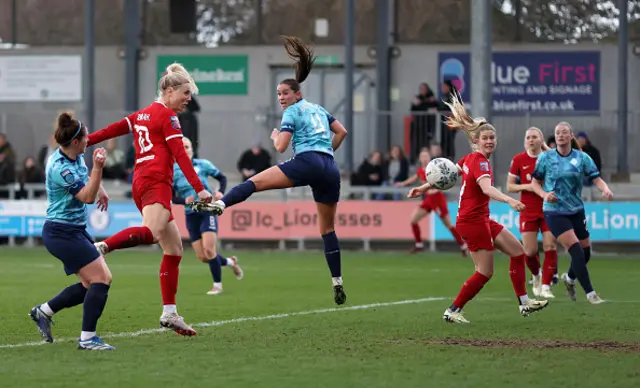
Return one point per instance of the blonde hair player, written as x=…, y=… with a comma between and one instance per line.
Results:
x=532, y=219
x=157, y=138
x=482, y=234
x=558, y=179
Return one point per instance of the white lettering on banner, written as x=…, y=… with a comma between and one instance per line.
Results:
x=509, y=75
x=612, y=221
x=23, y=208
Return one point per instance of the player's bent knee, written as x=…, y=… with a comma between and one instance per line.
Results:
x=531, y=252
x=210, y=254
x=548, y=247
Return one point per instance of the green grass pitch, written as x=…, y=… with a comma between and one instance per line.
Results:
x=279, y=327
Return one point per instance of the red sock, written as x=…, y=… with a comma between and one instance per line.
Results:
x=470, y=288
x=417, y=235
x=130, y=237
x=455, y=234
x=533, y=262
x=169, y=271
x=518, y=274
x=550, y=266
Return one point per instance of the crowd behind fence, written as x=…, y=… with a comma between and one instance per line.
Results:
x=223, y=136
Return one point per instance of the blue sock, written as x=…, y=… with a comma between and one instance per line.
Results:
x=587, y=257
x=94, y=303
x=579, y=267
x=216, y=269
x=223, y=260
x=239, y=193
x=69, y=297
x=332, y=253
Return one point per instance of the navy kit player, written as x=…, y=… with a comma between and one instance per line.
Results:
x=309, y=127
x=203, y=226
x=69, y=190
x=558, y=178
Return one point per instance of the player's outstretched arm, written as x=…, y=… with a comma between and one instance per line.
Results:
x=339, y=133
x=120, y=128
x=497, y=195
x=418, y=191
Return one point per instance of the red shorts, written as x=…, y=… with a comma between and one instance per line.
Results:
x=533, y=223
x=147, y=192
x=479, y=235
x=435, y=202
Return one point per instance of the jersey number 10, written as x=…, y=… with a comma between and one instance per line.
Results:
x=143, y=138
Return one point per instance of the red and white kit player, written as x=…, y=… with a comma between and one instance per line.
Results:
x=158, y=145
x=434, y=201
x=482, y=234
x=532, y=219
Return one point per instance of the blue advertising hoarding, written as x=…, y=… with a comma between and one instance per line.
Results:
x=536, y=82
x=606, y=221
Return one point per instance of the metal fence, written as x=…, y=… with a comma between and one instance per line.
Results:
x=225, y=135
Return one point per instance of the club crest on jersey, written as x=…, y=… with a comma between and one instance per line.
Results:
x=67, y=175
x=175, y=123
x=484, y=166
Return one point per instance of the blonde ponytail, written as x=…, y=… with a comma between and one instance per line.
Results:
x=460, y=119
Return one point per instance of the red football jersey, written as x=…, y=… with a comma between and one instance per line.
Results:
x=522, y=166
x=474, y=204
x=157, y=138
x=152, y=128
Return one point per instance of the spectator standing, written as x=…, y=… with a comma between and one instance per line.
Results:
x=189, y=123
x=7, y=162
x=423, y=125
x=30, y=173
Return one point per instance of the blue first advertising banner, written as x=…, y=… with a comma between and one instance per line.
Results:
x=536, y=82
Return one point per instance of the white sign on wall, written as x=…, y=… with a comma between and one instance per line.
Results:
x=40, y=78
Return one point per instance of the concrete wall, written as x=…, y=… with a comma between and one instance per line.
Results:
x=229, y=124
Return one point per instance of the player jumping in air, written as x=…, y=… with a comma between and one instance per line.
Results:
x=309, y=127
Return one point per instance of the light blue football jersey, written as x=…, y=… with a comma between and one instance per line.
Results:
x=181, y=185
x=309, y=124
x=564, y=176
x=65, y=178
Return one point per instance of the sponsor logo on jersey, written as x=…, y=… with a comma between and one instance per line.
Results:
x=175, y=123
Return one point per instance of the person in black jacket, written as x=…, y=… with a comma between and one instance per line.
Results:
x=254, y=160
x=189, y=123
x=423, y=125
x=449, y=92
x=590, y=150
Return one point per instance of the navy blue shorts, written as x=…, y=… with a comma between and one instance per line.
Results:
x=71, y=244
x=317, y=170
x=198, y=223
x=560, y=223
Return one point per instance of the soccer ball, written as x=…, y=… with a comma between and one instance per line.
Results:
x=442, y=173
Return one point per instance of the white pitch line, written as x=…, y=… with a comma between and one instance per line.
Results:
x=239, y=320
